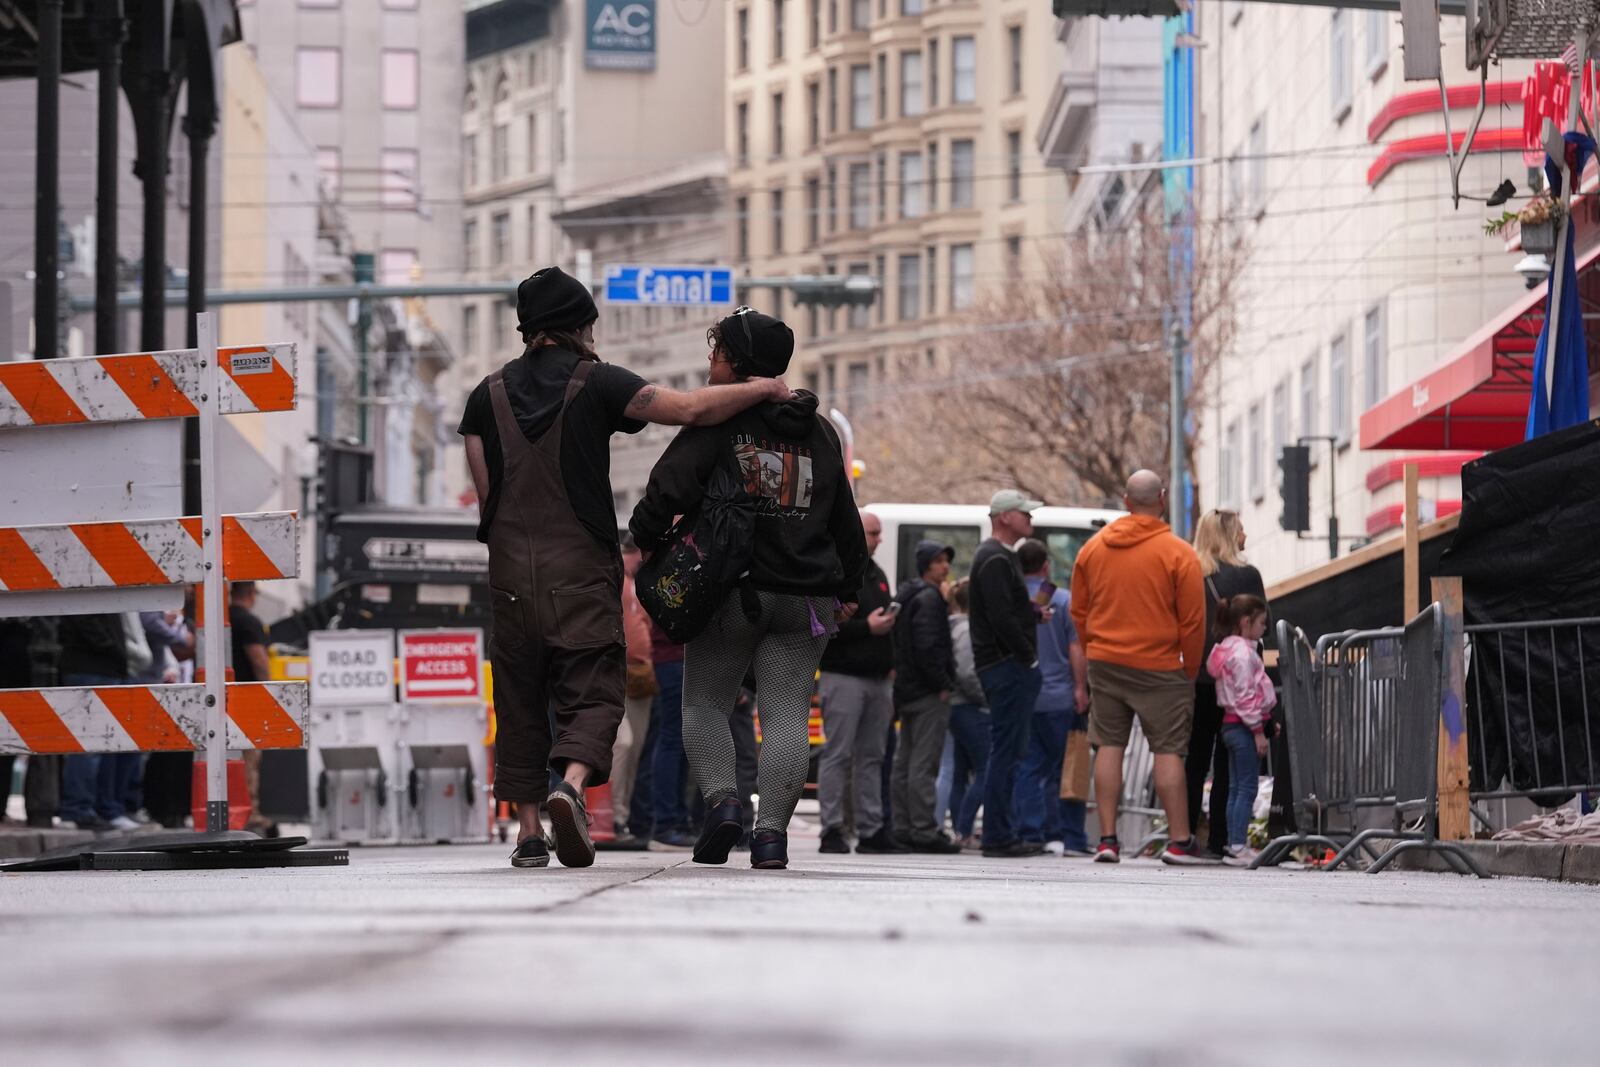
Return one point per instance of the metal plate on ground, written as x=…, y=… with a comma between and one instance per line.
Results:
x=214, y=860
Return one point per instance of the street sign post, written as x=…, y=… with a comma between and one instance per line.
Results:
x=669, y=286
x=351, y=668
x=444, y=666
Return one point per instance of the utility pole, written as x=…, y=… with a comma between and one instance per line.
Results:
x=47, y=186
x=1175, y=493
x=109, y=96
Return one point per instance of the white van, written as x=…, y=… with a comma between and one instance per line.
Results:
x=965, y=526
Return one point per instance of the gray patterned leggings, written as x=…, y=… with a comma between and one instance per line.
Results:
x=783, y=652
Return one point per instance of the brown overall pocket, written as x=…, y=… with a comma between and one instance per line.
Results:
x=588, y=616
x=506, y=626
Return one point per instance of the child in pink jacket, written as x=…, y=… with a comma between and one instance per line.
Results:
x=1246, y=695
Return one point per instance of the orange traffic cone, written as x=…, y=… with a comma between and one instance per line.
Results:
x=602, y=819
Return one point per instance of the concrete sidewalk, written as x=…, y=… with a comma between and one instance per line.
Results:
x=422, y=956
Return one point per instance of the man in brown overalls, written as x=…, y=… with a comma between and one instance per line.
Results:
x=538, y=444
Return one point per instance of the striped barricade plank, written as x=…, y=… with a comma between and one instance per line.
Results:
x=97, y=555
x=143, y=385
x=149, y=718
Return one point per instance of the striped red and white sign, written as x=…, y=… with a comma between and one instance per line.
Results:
x=149, y=718
x=143, y=385
x=99, y=555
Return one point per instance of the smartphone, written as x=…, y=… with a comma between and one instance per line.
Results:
x=1047, y=592
x=893, y=609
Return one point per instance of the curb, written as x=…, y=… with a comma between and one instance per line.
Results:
x=1552, y=861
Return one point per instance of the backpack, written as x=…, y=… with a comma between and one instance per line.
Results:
x=706, y=555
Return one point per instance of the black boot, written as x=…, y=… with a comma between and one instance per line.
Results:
x=722, y=830
x=769, y=850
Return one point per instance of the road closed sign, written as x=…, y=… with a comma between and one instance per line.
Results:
x=441, y=665
x=351, y=668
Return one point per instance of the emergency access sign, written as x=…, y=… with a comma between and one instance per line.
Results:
x=351, y=668
x=441, y=666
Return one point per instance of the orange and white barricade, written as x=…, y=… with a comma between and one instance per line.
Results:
x=87, y=477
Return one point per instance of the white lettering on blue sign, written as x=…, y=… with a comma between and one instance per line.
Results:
x=669, y=286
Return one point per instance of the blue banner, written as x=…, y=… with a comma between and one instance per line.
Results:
x=671, y=286
x=621, y=35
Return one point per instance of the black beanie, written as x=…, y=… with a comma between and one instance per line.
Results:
x=762, y=353
x=552, y=299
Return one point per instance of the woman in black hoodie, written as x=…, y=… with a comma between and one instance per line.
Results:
x=809, y=556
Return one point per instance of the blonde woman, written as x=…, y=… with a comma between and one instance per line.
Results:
x=1219, y=541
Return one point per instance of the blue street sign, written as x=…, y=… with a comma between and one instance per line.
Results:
x=673, y=286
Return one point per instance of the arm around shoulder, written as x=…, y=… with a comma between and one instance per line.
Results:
x=706, y=406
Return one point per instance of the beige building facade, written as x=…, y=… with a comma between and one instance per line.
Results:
x=894, y=138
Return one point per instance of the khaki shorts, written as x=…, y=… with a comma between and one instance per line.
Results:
x=1163, y=702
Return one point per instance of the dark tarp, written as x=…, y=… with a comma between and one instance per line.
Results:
x=1528, y=550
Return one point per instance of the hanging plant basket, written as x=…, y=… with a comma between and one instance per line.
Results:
x=1539, y=238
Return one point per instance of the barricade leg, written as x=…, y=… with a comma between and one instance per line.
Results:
x=1449, y=849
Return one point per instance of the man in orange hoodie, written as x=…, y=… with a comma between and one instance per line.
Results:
x=1138, y=601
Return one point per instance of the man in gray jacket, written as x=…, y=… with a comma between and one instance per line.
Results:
x=924, y=677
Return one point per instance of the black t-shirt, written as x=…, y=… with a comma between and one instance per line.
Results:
x=536, y=385
x=247, y=630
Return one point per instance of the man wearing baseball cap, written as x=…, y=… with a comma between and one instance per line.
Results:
x=538, y=436
x=1005, y=653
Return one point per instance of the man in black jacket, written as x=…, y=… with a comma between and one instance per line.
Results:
x=925, y=672
x=1005, y=651
x=94, y=652
x=857, y=709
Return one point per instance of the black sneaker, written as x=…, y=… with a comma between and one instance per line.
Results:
x=724, y=826
x=569, y=826
x=531, y=852
x=769, y=850
x=938, y=846
x=833, y=841
x=1015, y=850
x=881, y=843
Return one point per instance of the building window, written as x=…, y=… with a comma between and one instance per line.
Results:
x=813, y=212
x=1339, y=80
x=1339, y=388
x=1258, y=165
x=400, y=78
x=533, y=144
x=500, y=238
x=964, y=67
x=932, y=257
x=833, y=100
x=933, y=72
x=833, y=16
x=814, y=22
x=833, y=197
x=399, y=178
x=883, y=186
x=469, y=160
x=534, y=255
x=913, y=203
x=1282, y=418
x=962, y=163
x=1014, y=165
x=1014, y=45
x=741, y=125
x=961, y=277
x=1375, y=360
x=860, y=14
x=317, y=73
x=777, y=125
x=912, y=7
x=860, y=97
x=882, y=302
x=328, y=170
x=741, y=211
x=860, y=196
x=1014, y=257
x=910, y=287
x=1377, y=42
x=777, y=221
x=469, y=329
x=561, y=135
x=1253, y=465
x=813, y=114
x=1308, y=398
x=779, y=15
x=933, y=175
x=860, y=316
x=400, y=5
x=395, y=265
x=911, y=103
x=858, y=377
x=500, y=152
x=1228, y=489
x=883, y=86
x=743, y=31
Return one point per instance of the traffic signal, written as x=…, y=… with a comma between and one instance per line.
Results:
x=1295, y=463
x=833, y=290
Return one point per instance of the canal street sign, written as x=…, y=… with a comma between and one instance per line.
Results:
x=669, y=286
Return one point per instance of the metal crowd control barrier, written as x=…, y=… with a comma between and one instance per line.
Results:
x=1512, y=669
x=61, y=460
x=1362, y=714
